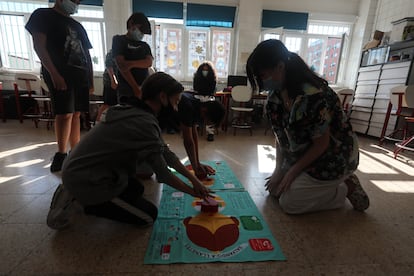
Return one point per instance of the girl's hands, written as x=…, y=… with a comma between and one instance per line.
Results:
x=273, y=182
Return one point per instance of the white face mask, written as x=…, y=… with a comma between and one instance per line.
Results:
x=136, y=35
x=205, y=73
x=69, y=7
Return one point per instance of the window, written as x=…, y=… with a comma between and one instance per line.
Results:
x=16, y=47
x=16, y=50
x=201, y=44
x=320, y=47
x=92, y=19
x=179, y=46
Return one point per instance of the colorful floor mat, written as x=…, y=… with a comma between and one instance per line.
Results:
x=234, y=232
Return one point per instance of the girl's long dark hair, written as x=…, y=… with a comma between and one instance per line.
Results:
x=205, y=85
x=268, y=54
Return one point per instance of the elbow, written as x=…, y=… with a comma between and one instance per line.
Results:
x=148, y=61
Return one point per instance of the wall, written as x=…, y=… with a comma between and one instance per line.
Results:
x=391, y=10
x=363, y=29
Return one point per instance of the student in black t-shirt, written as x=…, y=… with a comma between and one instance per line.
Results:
x=133, y=56
x=62, y=45
x=193, y=112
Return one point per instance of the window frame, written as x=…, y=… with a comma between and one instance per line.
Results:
x=306, y=36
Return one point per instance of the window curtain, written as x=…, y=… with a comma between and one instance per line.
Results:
x=87, y=2
x=287, y=20
x=158, y=9
x=210, y=15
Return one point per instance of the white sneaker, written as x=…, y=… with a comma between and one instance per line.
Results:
x=62, y=209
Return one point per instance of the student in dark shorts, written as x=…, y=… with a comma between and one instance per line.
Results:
x=191, y=113
x=110, y=84
x=62, y=45
x=99, y=174
x=133, y=56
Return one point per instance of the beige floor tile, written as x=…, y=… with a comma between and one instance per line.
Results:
x=17, y=243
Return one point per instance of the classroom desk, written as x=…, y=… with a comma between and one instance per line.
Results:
x=225, y=97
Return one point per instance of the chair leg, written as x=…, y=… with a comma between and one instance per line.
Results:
x=17, y=99
x=402, y=145
x=384, y=127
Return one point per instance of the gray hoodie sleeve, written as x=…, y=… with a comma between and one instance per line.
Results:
x=159, y=162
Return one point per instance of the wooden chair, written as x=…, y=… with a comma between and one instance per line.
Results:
x=395, y=106
x=408, y=139
x=242, y=118
x=346, y=95
x=27, y=85
x=30, y=86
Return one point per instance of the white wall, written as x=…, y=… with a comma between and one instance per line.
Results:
x=363, y=29
x=392, y=10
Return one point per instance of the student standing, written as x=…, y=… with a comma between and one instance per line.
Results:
x=133, y=56
x=62, y=45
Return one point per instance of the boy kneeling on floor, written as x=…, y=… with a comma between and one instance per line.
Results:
x=99, y=174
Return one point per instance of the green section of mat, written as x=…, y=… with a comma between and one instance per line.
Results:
x=236, y=233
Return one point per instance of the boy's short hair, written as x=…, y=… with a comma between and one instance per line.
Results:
x=160, y=82
x=214, y=112
x=141, y=19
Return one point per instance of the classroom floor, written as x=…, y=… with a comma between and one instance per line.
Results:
x=339, y=242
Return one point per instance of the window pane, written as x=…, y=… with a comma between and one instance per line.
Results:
x=271, y=36
x=94, y=31
x=293, y=44
x=156, y=50
x=332, y=57
x=90, y=12
x=197, y=50
x=171, y=51
x=314, y=56
x=21, y=6
x=13, y=42
x=220, y=52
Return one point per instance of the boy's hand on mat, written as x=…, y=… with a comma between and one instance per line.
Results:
x=202, y=171
x=209, y=169
x=201, y=191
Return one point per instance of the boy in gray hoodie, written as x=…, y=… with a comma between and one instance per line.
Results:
x=99, y=173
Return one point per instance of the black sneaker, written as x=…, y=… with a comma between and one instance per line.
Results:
x=358, y=198
x=57, y=162
x=210, y=137
x=62, y=209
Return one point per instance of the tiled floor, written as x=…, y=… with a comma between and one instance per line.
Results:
x=340, y=242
